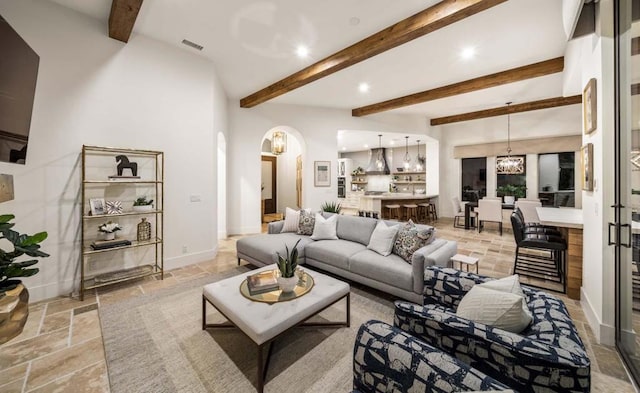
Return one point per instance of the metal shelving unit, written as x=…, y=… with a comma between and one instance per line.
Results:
x=91, y=182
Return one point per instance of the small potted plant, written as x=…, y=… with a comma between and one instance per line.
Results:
x=511, y=192
x=109, y=229
x=331, y=207
x=287, y=280
x=142, y=204
x=14, y=296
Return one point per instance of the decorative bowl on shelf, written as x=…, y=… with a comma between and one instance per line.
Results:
x=420, y=191
x=400, y=169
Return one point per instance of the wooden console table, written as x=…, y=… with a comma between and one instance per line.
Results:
x=569, y=221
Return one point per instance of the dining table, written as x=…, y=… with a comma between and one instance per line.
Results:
x=469, y=206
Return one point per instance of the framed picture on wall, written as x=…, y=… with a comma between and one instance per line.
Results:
x=322, y=173
x=589, y=107
x=587, y=167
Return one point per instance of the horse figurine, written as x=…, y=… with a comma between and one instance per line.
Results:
x=123, y=163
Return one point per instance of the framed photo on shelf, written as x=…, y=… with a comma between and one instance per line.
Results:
x=587, y=167
x=113, y=207
x=97, y=206
x=589, y=107
x=322, y=173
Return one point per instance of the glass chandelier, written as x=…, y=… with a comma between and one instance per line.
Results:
x=407, y=157
x=509, y=165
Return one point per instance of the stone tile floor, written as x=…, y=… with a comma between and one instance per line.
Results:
x=60, y=349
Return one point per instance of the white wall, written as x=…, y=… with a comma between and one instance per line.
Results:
x=318, y=127
x=97, y=91
x=527, y=125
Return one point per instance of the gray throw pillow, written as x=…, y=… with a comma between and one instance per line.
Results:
x=306, y=223
x=410, y=239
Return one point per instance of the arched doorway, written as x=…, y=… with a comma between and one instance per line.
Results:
x=282, y=155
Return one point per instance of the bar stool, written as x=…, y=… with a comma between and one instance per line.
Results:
x=423, y=211
x=393, y=212
x=432, y=211
x=411, y=210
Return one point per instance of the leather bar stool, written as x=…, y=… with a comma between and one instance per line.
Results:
x=411, y=210
x=423, y=212
x=393, y=211
x=432, y=211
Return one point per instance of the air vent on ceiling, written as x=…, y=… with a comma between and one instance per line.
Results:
x=192, y=44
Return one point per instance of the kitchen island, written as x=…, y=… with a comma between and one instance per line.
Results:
x=378, y=203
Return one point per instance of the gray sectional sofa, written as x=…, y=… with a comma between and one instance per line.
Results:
x=349, y=257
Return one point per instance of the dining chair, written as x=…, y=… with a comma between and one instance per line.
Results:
x=489, y=210
x=458, y=212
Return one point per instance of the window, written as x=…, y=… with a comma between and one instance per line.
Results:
x=474, y=178
x=556, y=179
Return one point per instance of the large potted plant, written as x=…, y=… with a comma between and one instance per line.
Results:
x=510, y=192
x=14, y=297
x=287, y=280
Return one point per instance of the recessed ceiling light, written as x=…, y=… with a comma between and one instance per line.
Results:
x=391, y=142
x=344, y=148
x=468, y=53
x=302, y=51
x=363, y=87
x=366, y=146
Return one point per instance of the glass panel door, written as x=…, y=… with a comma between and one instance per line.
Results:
x=627, y=65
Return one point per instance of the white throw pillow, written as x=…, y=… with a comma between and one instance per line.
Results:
x=509, y=284
x=291, y=219
x=383, y=238
x=495, y=308
x=325, y=228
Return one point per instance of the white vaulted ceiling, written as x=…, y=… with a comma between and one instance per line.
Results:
x=252, y=44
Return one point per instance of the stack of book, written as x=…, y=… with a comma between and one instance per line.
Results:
x=262, y=282
x=104, y=244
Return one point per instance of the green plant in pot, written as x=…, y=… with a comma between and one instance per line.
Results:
x=142, y=204
x=331, y=207
x=14, y=297
x=511, y=192
x=287, y=280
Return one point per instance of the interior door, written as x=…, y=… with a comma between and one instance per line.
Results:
x=627, y=204
x=269, y=182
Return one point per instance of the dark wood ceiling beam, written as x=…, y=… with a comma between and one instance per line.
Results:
x=635, y=46
x=122, y=18
x=440, y=15
x=513, y=75
x=504, y=110
x=635, y=89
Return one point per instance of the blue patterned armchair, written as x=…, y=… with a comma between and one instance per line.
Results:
x=548, y=356
x=386, y=359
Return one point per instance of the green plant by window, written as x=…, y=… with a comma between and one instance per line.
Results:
x=142, y=201
x=22, y=244
x=331, y=207
x=512, y=190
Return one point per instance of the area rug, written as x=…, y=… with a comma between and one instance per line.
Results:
x=155, y=343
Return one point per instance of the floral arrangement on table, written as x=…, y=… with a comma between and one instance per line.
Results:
x=109, y=227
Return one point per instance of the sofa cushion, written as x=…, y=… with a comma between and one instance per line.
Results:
x=306, y=223
x=264, y=247
x=494, y=308
x=383, y=238
x=510, y=284
x=291, y=220
x=356, y=229
x=325, y=228
x=391, y=270
x=411, y=238
x=333, y=252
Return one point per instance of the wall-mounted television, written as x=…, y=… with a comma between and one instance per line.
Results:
x=18, y=75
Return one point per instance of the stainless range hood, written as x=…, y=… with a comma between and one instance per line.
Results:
x=372, y=168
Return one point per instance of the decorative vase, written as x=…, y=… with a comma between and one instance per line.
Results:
x=144, y=230
x=143, y=208
x=109, y=235
x=287, y=284
x=14, y=310
x=509, y=199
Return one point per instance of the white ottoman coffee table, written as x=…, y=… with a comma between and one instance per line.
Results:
x=263, y=322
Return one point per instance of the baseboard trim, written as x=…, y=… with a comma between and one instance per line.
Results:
x=245, y=231
x=605, y=334
x=190, y=259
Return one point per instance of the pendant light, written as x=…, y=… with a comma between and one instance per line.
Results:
x=509, y=165
x=419, y=159
x=380, y=157
x=278, y=142
x=407, y=158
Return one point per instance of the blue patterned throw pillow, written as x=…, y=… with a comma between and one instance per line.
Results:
x=410, y=239
x=307, y=223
